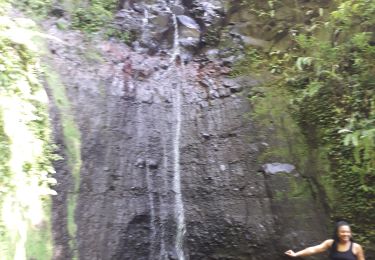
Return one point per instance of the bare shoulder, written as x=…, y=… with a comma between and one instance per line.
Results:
x=327, y=243
x=357, y=248
x=322, y=247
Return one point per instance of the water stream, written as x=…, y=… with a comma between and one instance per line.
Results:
x=163, y=253
x=152, y=210
x=179, y=206
x=176, y=46
x=145, y=18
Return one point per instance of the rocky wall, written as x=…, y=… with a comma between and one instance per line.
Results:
x=148, y=119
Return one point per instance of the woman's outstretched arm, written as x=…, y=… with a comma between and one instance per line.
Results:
x=311, y=250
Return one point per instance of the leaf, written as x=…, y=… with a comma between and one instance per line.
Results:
x=344, y=131
x=354, y=138
x=321, y=11
x=347, y=139
x=302, y=62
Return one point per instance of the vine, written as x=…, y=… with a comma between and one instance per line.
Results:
x=332, y=82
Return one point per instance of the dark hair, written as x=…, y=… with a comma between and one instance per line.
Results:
x=338, y=225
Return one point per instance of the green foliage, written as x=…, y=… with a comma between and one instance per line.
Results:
x=257, y=61
x=25, y=141
x=353, y=13
x=332, y=82
x=4, y=159
x=334, y=90
x=124, y=36
x=36, y=7
x=263, y=9
x=95, y=16
x=253, y=60
x=62, y=25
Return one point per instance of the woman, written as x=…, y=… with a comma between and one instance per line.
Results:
x=341, y=246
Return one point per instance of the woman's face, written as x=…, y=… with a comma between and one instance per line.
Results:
x=344, y=233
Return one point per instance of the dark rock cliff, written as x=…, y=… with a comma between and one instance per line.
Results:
x=171, y=156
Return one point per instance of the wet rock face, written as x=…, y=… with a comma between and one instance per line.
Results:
x=127, y=201
x=151, y=23
x=152, y=129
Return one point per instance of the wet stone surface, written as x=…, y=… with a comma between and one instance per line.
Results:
x=142, y=119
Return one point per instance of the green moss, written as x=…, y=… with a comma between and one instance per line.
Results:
x=272, y=112
x=73, y=150
x=62, y=25
x=125, y=36
x=279, y=196
x=299, y=189
x=93, y=56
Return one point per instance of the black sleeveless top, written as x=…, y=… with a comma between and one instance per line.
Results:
x=337, y=255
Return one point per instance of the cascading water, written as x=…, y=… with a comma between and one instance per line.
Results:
x=163, y=253
x=145, y=29
x=179, y=207
x=176, y=46
x=152, y=210
x=145, y=18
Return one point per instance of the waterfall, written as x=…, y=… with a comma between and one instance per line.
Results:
x=152, y=210
x=176, y=46
x=163, y=217
x=179, y=207
x=145, y=19
x=144, y=31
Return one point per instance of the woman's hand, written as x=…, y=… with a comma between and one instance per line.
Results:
x=291, y=253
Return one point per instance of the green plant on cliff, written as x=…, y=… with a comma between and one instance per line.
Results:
x=97, y=16
x=25, y=143
x=334, y=85
x=265, y=9
x=36, y=7
x=93, y=16
x=332, y=80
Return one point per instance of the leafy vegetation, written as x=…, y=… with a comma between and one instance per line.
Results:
x=25, y=141
x=90, y=17
x=94, y=16
x=39, y=8
x=332, y=82
x=97, y=16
